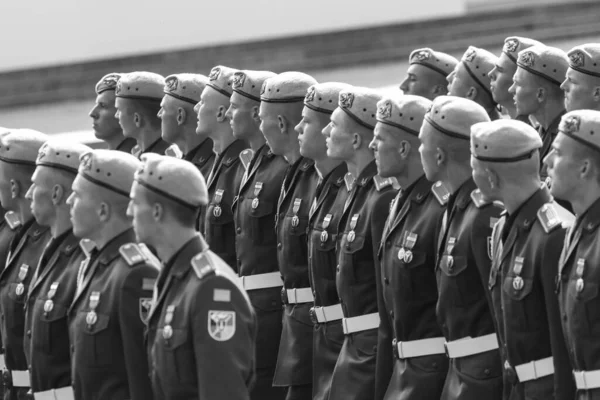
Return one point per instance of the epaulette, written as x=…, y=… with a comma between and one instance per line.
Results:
x=440, y=192
x=202, y=266
x=87, y=246
x=548, y=217
x=135, y=254
x=479, y=199
x=246, y=157
x=12, y=220
x=173, y=151
x=349, y=180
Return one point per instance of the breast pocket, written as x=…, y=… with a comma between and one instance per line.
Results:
x=587, y=309
x=262, y=221
x=522, y=315
x=324, y=257
x=50, y=333
x=219, y=222
x=176, y=358
x=294, y=233
x=414, y=280
x=96, y=340
x=353, y=255
x=462, y=284
x=15, y=320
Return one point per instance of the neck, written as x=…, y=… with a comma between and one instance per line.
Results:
x=61, y=223
x=357, y=164
x=511, y=109
x=108, y=232
x=169, y=243
x=581, y=202
x=292, y=153
x=189, y=139
x=455, y=177
x=222, y=140
x=114, y=142
x=410, y=174
x=547, y=113
x=147, y=137
x=518, y=194
x=255, y=139
x=325, y=165
x=24, y=211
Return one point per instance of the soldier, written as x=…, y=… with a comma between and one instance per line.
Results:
x=114, y=287
x=106, y=125
x=179, y=122
x=536, y=91
x=463, y=257
x=526, y=245
x=360, y=227
x=138, y=97
x=18, y=152
x=256, y=242
x=427, y=72
x=280, y=111
x=470, y=79
x=54, y=281
x=501, y=76
x=574, y=166
x=325, y=211
x=202, y=327
x=582, y=81
x=406, y=287
x=223, y=182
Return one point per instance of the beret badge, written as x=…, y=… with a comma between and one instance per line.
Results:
x=346, y=100
x=86, y=161
x=527, y=59
x=310, y=94
x=111, y=81
x=171, y=84
x=422, y=55
x=470, y=55
x=263, y=89
x=571, y=124
x=385, y=111
x=119, y=88
x=577, y=58
x=511, y=45
x=214, y=74
x=238, y=79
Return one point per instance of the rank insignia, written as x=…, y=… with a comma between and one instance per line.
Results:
x=510, y=46
x=421, y=55
x=222, y=295
x=346, y=100
x=548, y=217
x=527, y=59
x=85, y=161
x=214, y=74
x=385, y=111
x=577, y=59
x=310, y=94
x=238, y=79
x=171, y=84
x=470, y=55
x=440, y=192
x=145, y=306
x=571, y=124
x=221, y=325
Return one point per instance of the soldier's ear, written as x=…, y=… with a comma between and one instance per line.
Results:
x=440, y=90
x=440, y=156
x=181, y=115
x=404, y=149
x=472, y=93
x=356, y=140
x=104, y=211
x=541, y=95
x=255, y=116
x=15, y=188
x=596, y=94
x=137, y=119
x=221, y=111
x=58, y=193
x=282, y=123
x=157, y=211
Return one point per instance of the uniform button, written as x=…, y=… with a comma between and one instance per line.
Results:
x=238, y=230
x=392, y=314
x=279, y=246
x=337, y=268
x=28, y=332
x=487, y=371
x=72, y=348
x=386, y=280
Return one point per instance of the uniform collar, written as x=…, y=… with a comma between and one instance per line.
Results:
x=462, y=197
x=590, y=219
x=232, y=152
x=526, y=214
x=336, y=175
x=110, y=251
x=200, y=153
x=553, y=127
x=35, y=230
x=419, y=189
x=179, y=264
x=367, y=174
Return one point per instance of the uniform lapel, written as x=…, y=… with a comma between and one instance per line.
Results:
x=12, y=255
x=571, y=242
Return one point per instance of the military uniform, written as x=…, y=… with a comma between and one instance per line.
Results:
x=548, y=136
x=202, y=156
x=159, y=146
x=9, y=226
x=127, y=145
x=256, y=249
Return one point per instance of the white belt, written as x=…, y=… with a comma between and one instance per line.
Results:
x=420, y=348
x=360, y=323
x=329, y=313
x=469, y=346
x=262, y=281
x=302, y=295
x=586, y=380
x=20, y=378
x=535, y=369
x=65, y=393
x=2, y=362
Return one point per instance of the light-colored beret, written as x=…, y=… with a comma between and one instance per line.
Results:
x=547, y=62
x=177, y=180
x=221, y=79
x=21, y=146
x=403, y=112
x=250, y=83
x=185, y=87
x=112, y=170
x=61, y=154
x=514, y=44
x=454, y=116
x=504, y=141
x=478, y=63
x=585, y=59
x=108, y=82
x=323, y=97
x=441, y=63
x=287, y=87
x=141, y=85
x=360, y=104
x=583, y=126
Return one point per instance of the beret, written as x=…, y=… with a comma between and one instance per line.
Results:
x=453, y=116
x=441, y=63
x=175, y=179
x=323, y=97
x=21, y=146
x=220, y=78
x=112, y=170
x=61, y=154
x=583, y=126
x=514, y=44
x=141, y=85
x=504, y=140
x=287, y=87
x=547, y=62
x=585, y=59
x=360, y=104
x=185, y=87
x=478, y=63
x=403, y=112
x=108, y=82
x=249, y=83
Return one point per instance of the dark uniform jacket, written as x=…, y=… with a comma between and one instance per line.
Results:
x=202, y=329
x=46, y=328
x=106, y=324
x=325, y=213
x=464, y=306
x=548, y=136
x=294, y=362
x=25, y=251
x=407, y=295
x=158, y=146
x=365, y=212
x=223, y=184
x=203, y=157
x=579, y=278
x=526, y=247
x=9, y=227
x=127, y=145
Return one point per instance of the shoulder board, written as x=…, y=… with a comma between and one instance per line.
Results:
x=132, y=254
x=12, y=220
x=479, y=199
x=202, y=266
x=548, y=217
x=382, y=183
x=151, y=259
x=246, y=157
x=440, y=192
x=173, y=151
x=87, y=246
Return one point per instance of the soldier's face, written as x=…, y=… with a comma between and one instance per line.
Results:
x=459, y=81
x=242, y=115
x=105, y=124
x=386, y=147
x=168, y=114
x=40, y=194
x=524, y=92
x=419, y=81
x=270, y=126
x=84, y=205
x=8, y=203
x=579, y=91
x=125, y=116
x=338, y=137
x=501, y=78
x=564, y=166
x=208, y=111
x=429, y=152
x=310, y=134
x=141, y=213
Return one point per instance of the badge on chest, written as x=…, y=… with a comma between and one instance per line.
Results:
x=92, y=317
x=49, y=304
x=23, y=272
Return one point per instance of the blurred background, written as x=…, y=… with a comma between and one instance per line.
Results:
x=54, y=52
